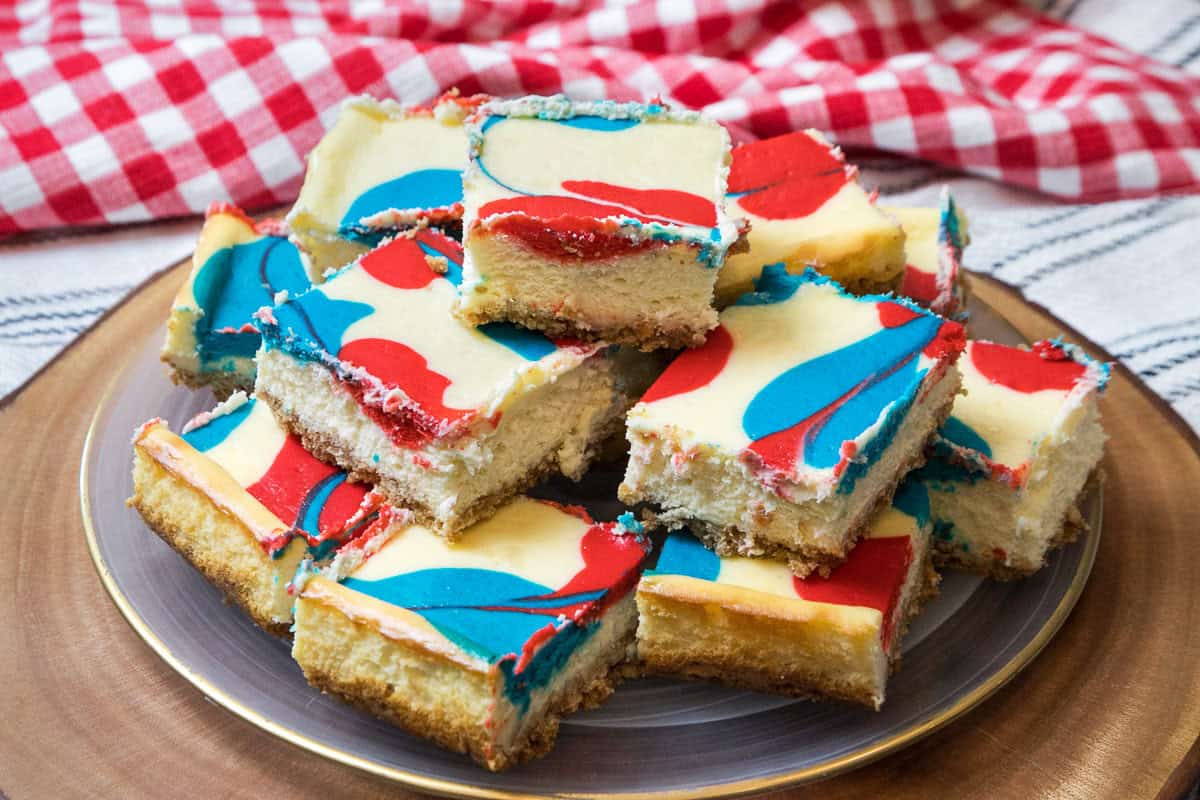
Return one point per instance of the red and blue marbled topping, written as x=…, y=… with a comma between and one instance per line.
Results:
x=873, y=575
x=383, y=166
x=522, y=590
x=311, y=499
x=805, y=206
x=245, y=265
x=803, y=380
x=384, y=325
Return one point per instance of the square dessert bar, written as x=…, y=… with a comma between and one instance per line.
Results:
x=381, y=167
x=1006, y=470
x=245, y=503
x=375, y=374
x=238, y=267
x=598, y=220
x=480, y=645
x=795, y=421
x=752, y=624
x=806, y=207
x=934, y=242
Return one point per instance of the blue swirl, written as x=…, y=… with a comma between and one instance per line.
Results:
x=683, y=554
x=233, y=283
x=425, y=188
x=213, y=432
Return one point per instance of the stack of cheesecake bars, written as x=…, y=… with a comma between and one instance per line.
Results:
x=475, y=296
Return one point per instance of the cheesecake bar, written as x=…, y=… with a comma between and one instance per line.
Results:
x=238, y=267
x=1006, y=469
x=806, y=207
x=245, y=503
x=752, y=624
x=934, y=239
x=480, y=645
x=374, y=373
x=380, y=168
x=795, y=421
x=596, y=220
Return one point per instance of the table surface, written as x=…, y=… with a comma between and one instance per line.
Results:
x=1110, y=709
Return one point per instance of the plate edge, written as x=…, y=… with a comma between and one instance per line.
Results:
x=448, y=788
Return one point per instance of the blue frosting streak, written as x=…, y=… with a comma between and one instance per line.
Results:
x=452, y=600
x=309, y=518
x=529, y=345
x=913, y=499
x=425, y=188
x=812, y=386
x=860, y=411
x=313, y=324
x=949, y=231
x=598, y=123
x=234, y=283
x=213, y=432
x=963, y=435
x=483, y=168
x=683, y=554
x=774, y=285
x=875, y=448
x=943, y=530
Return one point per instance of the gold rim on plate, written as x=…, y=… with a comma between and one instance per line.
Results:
x=827, y=769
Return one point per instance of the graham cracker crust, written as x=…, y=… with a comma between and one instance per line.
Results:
x=755, y=680
x=217, y=572
x=645, y=335
x=450, y=733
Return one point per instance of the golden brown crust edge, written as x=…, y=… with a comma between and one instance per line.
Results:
x=752, y=680
x=930, y=588
x=733, y=666
x=645, y=335
x=232, y=585
x=221, y=384
x=460, y=736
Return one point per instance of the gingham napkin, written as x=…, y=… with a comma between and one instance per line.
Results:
x=131, y=112
x=141, y=110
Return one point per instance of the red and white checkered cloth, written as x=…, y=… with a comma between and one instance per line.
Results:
x=132, y=111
